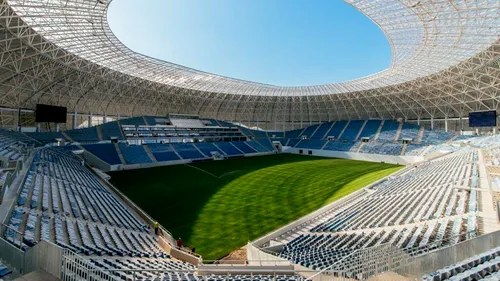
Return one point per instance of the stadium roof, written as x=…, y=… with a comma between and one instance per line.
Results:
x=444, y=63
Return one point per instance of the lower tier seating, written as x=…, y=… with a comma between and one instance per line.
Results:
x=484, y=266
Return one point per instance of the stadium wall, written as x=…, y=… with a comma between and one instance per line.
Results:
x=392, y=159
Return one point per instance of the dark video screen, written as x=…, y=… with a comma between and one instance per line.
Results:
x=483, y=119
x=50, y=113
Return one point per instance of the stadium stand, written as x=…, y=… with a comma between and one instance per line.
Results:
x=484, y=266
x=187, y=151
x=276, y=134
x=340, y=145
x=311, y=143
x=83, y=135
x=415, y=149
x=134, y=154
x=105, y=151
x=409, y=211
x=207, y=148
x=111, y=129
x=436, y=137
x=133, y=121
x=309, y=131
x=293, y=134
x=228, y=149
x=370, y=129
x=388, y=131
x=352, y=129
x=47, y=137
x=243, y=147
x=336, y=129
x=409, y=131
x=322, y=130
x=163, y=152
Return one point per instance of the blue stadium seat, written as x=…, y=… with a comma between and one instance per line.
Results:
x=47, y=137
x=370, y=129
x=105, y=151
x=83, y=135
x=322, y=130
x=388, y=131
x=208, y=147
x=336, y=129
x=132, y=121
x=311, y=144
x=187, y=151
x=134, y=154
x=352, y=129
x=228, y=148
x=111, y=129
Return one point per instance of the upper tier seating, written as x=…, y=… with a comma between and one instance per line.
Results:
x=83, y=135
x=132, y=121
x=134, y=154
x=187, y=151
x=163, y=152
x=209, y=122
x=111, y=129
x=156, y=120
x=259, y=134
x=187, y=123
x=352, y=129
x=245, y=131
x=277, y=134
x=105, y=151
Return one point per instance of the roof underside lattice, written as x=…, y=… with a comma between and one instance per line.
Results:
x=445, y=63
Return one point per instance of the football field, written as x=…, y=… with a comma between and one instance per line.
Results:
x=218, y=206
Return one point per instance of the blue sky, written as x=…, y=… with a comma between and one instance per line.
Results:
x=280, y=42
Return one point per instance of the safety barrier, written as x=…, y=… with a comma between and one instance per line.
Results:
x=11, y=255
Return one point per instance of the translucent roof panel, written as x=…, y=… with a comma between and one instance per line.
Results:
x=426, y=37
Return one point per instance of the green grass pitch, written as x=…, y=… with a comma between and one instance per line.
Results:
x=219, y=206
